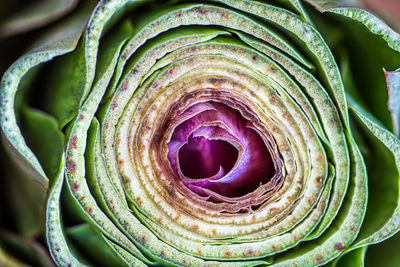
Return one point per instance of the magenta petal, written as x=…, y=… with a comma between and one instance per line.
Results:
x=215, y=149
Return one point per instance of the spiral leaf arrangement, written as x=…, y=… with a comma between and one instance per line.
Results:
x=205, y=134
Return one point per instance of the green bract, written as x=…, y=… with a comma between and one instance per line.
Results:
x=86, y=120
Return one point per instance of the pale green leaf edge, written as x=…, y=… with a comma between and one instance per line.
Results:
x=373, y=23
x=59, y=249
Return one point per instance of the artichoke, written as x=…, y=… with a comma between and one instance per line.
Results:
x=201, y=133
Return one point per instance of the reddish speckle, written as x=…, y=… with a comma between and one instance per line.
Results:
x=339, y=246
x=157, y=22
x=190, y=61
x=272, y=100
x=214, y=231
x=139, y=201
x=142, y=239
x=106, y=125
x=89, y=210
x=171, y=71
x=127, y=180
x=57, y=249
x=353, y=229
x=73, y=142
x=319, y=180
x=114, y=105
x=146, y=128
x=178, y=14
x=195, y=227
x=199, y=251
x=163, y=254
x=275, y=247
x=226, y=15
x=248, y=253
x=75, y=186
x=184, y=262
x=319, y=259
x=310, y=201
x=273, y=211
x=71, y=167
x=81, y=117
x=286, y=115
x=334, y=122
x=124, y=86
x=254, y=58
x=203, y=11
x=82, y=198
x=228, y=254
x=285, y=147
x=120, y=163
x=117, y=141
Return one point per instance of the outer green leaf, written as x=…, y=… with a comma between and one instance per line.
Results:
x=392, y=223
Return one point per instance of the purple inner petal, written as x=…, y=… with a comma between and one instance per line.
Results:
x=202, y=158
x=214, y=149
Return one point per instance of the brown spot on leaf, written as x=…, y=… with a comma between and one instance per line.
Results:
x=71, y=167
x=146, y=128
x=353, y=228
x=114, y=104
x=339, y=246
x=214, y=231
x=286, y=115
x=163, y=255
x=121, y=163
x=57, y=249
x=319, y=259
x=228, y=254
x=199, y=251
x=117, y=141
x=75, y=186
x=139, y=201
x=275, y=247
x=248, y=253
x=73, y=142
x=81, y=117
x=319, y=180
x=89, y=210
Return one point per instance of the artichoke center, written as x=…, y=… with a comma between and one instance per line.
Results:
x=214, y=149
